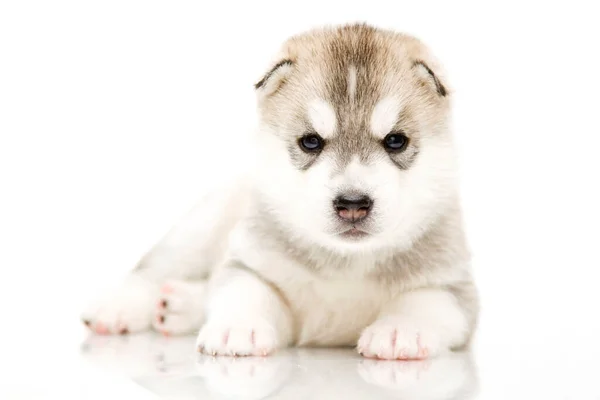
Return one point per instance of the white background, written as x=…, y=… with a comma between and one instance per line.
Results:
x=116, y=115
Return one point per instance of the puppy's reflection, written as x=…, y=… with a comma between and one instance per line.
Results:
x=327, y=374
x=169, y=366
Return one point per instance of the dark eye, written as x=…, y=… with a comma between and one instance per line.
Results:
x=311, y=142
x=395, y=141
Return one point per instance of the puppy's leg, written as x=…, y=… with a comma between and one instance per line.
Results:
x=245, y=315
x=188, y=252
x=420, y=324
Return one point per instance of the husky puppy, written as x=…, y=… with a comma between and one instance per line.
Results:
x=346, y=232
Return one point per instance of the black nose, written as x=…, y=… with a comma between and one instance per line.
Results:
x=353, y=207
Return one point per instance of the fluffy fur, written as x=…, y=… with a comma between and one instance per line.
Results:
x=284, y=268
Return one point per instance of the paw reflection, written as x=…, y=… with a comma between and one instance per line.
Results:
x=171, y=367
x=142, y=354
x=446, y=377
x=244, y=377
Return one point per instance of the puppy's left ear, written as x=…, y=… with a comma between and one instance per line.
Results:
x=274, y=78
x=427, y=74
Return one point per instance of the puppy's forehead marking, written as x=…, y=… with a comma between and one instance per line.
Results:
x=385, y=116
x=323, y=118
x=354, y=167
x=351, y=83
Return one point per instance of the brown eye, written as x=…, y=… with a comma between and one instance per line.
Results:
x=395, y=142
x=311, y=143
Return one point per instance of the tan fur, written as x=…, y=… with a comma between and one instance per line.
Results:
x=384, y=64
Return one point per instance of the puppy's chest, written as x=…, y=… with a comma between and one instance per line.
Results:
x=331, y=312
x=328, y=310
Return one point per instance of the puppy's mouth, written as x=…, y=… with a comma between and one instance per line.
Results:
x=354, y=233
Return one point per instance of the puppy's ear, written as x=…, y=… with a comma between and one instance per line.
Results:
x=430, y=77
x=273, y=79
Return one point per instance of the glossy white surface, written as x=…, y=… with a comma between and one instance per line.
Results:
x=169, y=368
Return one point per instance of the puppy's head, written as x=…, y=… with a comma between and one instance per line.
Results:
x=355, y=148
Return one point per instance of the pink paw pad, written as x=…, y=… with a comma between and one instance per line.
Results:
x=166, y=289
x=101, y=329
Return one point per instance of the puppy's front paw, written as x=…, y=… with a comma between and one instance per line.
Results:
x=180, y=307
x=127, y=309
x=248, y=337
x=399, y=338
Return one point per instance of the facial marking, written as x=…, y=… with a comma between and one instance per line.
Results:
x=384, y=116
x=353, y=177
x=351, y=82
x=322, y=117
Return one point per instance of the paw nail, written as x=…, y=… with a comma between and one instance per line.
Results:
x=161, y=319
x=87, y=323
x=226, y=338
x=166, y=334
x=124, y=331
x=214, y=353
x=200, y=349
x=163, y=303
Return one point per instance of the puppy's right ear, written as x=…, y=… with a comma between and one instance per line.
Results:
x=272, y=80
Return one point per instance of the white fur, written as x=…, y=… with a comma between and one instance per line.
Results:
x=244, y=318
x=416, y=325
x=399, y=207
x=200, y=232
x=333, y=311
x=130, y=306
x=180, y=307
x=385, y=115
x=322, y=117
x=191, y=249
x=334, y=308
x=330, y=310
x=323, y=307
